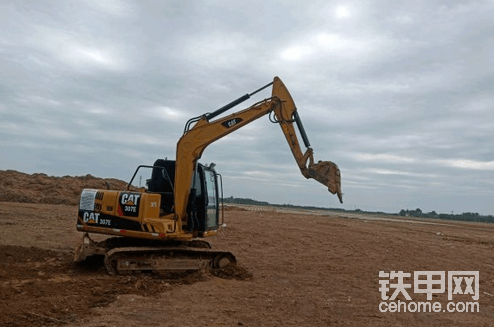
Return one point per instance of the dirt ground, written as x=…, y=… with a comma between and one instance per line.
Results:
x=304, y=269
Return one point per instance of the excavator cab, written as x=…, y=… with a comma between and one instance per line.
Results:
x=203, y=205
x=162, y=181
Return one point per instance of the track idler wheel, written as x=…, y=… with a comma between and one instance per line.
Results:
x=223, y=260
x=111, y=264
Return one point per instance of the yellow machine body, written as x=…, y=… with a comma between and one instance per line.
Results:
x=181, y=200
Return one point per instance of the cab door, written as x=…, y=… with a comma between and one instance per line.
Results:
x=212, y=200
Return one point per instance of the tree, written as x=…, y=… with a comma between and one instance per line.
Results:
x=432, y=214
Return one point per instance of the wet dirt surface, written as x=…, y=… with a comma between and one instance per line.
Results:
x=299, y=270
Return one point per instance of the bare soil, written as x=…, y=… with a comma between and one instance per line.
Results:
x=40, y=188
x=296, y=269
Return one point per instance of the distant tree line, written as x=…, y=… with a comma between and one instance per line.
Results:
x=231, y=199
x=466, y=216
x=248, y=201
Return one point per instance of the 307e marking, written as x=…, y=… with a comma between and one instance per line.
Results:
x=130, y=209
x=93, y=217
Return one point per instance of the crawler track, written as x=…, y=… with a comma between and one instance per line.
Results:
x=127, y=255
x=127, y=260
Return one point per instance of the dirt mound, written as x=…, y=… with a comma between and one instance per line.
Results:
x=40, y=188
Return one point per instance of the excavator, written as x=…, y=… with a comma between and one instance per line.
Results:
x=161, y=227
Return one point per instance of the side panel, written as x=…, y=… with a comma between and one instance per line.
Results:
x=117, y=210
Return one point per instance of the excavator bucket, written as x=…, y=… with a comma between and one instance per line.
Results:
x=327, y=173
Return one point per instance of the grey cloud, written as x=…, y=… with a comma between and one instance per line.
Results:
x=397, y=94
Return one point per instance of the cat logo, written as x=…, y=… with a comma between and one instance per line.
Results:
x=129, y=204
x=130, y=199
x=90, y=217
x=231, y=122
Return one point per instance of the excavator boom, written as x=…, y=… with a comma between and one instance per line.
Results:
x=196, y=138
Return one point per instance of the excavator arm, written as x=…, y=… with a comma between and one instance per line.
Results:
x=204, y=132
x=325, y=172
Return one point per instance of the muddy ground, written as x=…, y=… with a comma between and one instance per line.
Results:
x=303, y=269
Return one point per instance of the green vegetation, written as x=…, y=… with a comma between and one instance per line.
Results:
x=466, y=216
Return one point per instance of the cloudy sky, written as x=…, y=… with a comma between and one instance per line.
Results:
x=398, y=93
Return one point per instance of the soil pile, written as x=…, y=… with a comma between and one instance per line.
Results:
x=41, y=188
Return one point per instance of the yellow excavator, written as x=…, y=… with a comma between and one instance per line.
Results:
x=159, y=227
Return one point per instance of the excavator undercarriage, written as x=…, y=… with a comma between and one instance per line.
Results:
x=130, y=255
